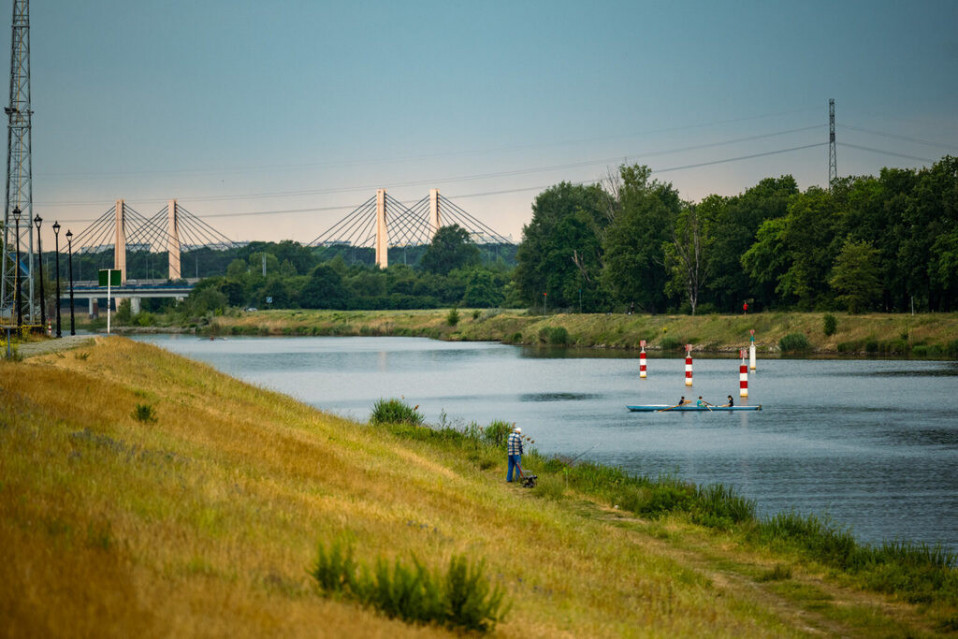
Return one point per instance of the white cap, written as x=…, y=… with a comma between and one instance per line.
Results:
x=517, y=430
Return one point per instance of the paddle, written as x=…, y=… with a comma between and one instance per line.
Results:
x=662, y=410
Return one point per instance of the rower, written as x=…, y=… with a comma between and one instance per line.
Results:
x=730, y=402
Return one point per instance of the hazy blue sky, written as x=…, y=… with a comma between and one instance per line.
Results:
x=274, y=119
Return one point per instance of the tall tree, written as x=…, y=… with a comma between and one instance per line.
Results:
x=734, y=230
x=812, y=242
x=685, y=254
x=451, y=248
x=855, y=276
x=766, y=262
x=561, y=249
x=634, y=256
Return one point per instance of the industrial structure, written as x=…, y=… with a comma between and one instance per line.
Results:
x=18, y=257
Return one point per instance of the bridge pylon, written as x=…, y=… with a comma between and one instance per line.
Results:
x=434, y=220
x=173, y=240
x=119, y=242
x=382, y=230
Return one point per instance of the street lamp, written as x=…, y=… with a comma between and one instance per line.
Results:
x=56, y=241
x=43, y=314
x=19, y=304
x=73, y=330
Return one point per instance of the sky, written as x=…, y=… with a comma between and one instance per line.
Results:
x=274, y=119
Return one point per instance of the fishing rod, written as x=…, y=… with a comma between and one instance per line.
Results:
x=572, y=461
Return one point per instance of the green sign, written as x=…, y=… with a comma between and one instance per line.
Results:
x=112, y=274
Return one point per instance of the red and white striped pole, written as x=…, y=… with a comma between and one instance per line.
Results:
x=688, y=364
x=642, y=373
x=743, y=376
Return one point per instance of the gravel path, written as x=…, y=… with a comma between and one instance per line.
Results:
x=43, y=347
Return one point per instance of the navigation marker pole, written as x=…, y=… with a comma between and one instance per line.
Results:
x=751, y=351
x=688, y=364
x=642, y=373
x=742, y=376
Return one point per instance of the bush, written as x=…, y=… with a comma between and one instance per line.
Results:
x=452, y=318
x=496, y=433
x=462, y=598
x=794, y=343
x=557, y=335
x=830, y=324
x=144, y=413
x=394, y=411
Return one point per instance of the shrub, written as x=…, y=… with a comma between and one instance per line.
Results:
x=794, y=343
x=557, y=335
x=462, y=598
x=471, y=603
x=830, y=324
x=144, y=413
x=452, y=317
x=335, y=570
x=496, y=433
x=394, y=411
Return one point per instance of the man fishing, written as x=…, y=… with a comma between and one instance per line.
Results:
x=514, y=449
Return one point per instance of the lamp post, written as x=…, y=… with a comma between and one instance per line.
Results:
x=56, y=242
x=43, y=313
x=73, y=330
x=19, y=305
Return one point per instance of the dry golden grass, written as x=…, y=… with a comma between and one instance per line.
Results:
x=206, y=521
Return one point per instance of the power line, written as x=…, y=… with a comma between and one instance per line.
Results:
x=899, y=137
x=475, y=176
x=883, y=152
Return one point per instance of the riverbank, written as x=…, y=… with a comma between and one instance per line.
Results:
x=928, y=335
x=168, y=499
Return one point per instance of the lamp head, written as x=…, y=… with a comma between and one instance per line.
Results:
x=69, y=235
x=56, y=227
x=37, y=220
x=16, y=213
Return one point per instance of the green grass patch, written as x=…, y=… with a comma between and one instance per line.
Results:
x=462, y=598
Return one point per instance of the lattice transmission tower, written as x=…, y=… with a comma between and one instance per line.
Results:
x=18, y=258
x=832, y=156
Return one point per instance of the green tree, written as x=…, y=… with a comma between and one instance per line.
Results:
x=766, y=262
x=561, y=249
x=733, y=229
x=323, y=289
x=482, y=291
x=812, y=243
x=685, y=255
x=451, y=248
x=929, y=223
x=855, y=276
x=634, y=257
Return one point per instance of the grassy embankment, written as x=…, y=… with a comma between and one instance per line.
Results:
x=929, y=335
x=143, y=494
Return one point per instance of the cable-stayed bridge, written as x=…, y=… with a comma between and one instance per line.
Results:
x=382, y=222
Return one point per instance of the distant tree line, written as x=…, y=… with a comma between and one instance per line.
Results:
x=451, y=271
x=887, y=243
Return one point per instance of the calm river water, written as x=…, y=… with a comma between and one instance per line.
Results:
x=873, y=444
